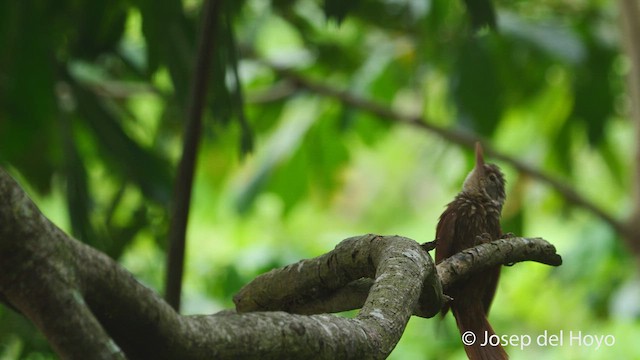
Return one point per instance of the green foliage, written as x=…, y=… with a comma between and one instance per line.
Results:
x=482, y=13
x=338, y=10
x=93, y=97
x=476, y=87
x=594, y=73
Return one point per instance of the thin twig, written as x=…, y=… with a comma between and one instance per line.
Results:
x=186, y=168
x=630, y=31
x=458, y=137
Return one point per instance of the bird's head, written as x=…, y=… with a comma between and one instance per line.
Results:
x=485, y=180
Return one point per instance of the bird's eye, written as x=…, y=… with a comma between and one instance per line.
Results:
x=492, y=177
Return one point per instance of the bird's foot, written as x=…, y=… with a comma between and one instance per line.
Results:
x=484, y=238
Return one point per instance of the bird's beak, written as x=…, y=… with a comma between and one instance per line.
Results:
x=479, y=159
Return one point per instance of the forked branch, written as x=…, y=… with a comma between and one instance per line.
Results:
x=85, y=303
x=310, y=294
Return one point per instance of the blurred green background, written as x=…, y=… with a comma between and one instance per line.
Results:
x=92, y=107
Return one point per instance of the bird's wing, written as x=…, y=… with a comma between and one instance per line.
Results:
x=444, y=234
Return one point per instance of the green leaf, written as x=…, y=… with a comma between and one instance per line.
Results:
x=79, y=199
x=132, y=161
x=594, y=97
x=170, y=42
x=613, y=162
x=225, y=281
x=314, y=167
x=281, y=152
x=122, y=235
x=238, y=93
x=28, y=108
x=338, y=10
x=482, y=14
x=292, y=179
x=369, y=128
x=561, y=154
x=304, y=154
x=514, y=224
x=550, y=37
x=395, y=75
x=477, y=88
x=326, y=153
x=98, y=27
x=333, y=56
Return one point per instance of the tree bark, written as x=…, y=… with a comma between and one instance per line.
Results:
x=88, y=306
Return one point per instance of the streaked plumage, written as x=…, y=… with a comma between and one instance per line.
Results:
x=470, y=219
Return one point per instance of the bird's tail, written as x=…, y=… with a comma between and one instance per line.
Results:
x=480, y=342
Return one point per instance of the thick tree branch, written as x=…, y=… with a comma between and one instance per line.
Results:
x=33, y=267
x=265, y=294
x=310, y=281
x=452, y=135
x=85, y=303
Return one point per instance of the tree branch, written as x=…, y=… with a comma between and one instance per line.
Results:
x=452, y=135
x=310, y=281
x=498, y=252
x=85, y=303
x=264, y=293
x=630, y=30
x=36, y=280
x=186, y=168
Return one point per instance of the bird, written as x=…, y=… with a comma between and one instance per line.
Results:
x=473, y=218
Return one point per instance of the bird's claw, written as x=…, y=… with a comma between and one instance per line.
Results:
x=483, y=238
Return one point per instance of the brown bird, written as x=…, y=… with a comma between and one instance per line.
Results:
x=472, y=218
